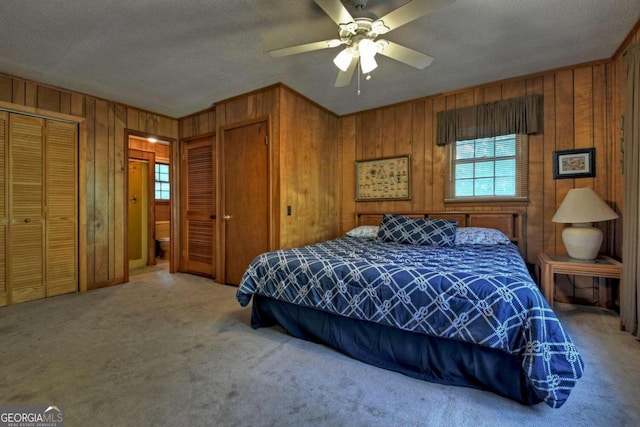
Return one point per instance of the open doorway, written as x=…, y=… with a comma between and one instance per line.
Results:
x=138, y=213
x=149, y=206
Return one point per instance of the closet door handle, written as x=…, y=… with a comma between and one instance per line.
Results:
x=27, y=220
x=227, y=217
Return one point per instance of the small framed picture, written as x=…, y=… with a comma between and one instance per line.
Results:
x=578, y=163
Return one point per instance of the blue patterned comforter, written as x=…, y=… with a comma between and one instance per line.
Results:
x=481, y=294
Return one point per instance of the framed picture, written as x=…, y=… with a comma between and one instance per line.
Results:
x=579, y=163
x=383, y=179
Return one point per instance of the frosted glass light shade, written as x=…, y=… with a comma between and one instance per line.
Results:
x=343, y=59
x=367, y=47
x=368, y=64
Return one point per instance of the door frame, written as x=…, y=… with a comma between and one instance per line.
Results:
x=173, y=201
x=220, y=190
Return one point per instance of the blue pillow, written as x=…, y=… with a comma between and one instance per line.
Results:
x=422, y=231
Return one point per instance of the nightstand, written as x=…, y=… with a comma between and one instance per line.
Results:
x=603, y=267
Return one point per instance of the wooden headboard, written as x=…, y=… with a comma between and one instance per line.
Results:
x=510, y=223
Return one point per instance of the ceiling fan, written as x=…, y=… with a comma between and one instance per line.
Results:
x=360, y=36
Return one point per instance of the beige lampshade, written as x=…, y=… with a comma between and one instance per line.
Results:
x=583, y=205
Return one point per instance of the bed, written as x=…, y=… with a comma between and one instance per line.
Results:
x=436, y=296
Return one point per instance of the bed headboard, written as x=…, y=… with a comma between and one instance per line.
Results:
x=510, y=223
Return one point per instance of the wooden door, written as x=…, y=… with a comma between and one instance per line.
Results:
x=61, y=207
x=199, y=207
x=4, y=124
x=26, y=208
x=137, y=212
x=246, y=196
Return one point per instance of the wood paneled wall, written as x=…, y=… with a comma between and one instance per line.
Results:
x=162, y=151
x=302, y=160
x=197, y=124
x=162, y=210
x=576, y=115
x=106, y=123
x=308, y=173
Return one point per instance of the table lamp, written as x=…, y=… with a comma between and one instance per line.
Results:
x=582, y=207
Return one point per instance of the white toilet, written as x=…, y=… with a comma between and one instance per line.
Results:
x=162, y=237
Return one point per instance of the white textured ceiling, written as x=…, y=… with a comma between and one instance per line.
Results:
x=176, y=57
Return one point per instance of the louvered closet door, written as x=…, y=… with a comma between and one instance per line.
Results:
x=199, y=215
x=61, y=207
x=26, y=208
x=4, y=123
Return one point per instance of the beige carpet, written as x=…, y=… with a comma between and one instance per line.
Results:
x=177, y=350
x=145, y=270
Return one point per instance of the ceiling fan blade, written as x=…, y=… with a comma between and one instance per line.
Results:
x=411, y=11
x=302, y=48
x=336, y=11
x=406, y=55
x=344, y=77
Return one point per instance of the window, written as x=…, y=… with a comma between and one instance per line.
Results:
x=162, y=181
x=488, y=168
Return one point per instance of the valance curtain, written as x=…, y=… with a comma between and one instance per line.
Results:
x=630, y=292
x=516, y=115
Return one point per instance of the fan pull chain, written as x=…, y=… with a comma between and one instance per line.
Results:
x=367, y=78
x=359, y=65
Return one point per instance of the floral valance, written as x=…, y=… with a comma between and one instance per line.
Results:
x=515, y=115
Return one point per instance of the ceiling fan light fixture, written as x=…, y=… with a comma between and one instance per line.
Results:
x=351, y=27
x=367, y=47
x=343, y=59
x=367, y=50
x=368, y=63
x=359, y=34
x=378, y=27
x=380, y=45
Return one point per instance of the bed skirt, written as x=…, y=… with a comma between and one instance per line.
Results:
x=428, y=358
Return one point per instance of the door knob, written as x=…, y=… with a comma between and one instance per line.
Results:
x=27, y=220
x=134, y=199
x=227, y=217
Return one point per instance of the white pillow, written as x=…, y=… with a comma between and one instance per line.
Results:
x=480, y=236
x=369, y=231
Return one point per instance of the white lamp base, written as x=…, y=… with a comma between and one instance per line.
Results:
x=582, y=241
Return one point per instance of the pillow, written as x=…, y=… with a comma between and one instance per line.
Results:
x=480, y=236
x=422, y=231
x=370, y=231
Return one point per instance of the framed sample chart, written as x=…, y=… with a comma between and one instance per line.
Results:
x=383, y=179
